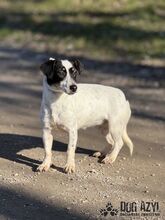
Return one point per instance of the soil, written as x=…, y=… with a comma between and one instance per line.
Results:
x=26, y=194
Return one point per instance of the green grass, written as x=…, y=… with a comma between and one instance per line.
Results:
x=124, y=29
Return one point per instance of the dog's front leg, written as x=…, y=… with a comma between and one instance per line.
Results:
x=70, y=164
x=47, y=141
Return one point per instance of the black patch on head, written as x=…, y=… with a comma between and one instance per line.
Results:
x=77, y=65
x=54, y=71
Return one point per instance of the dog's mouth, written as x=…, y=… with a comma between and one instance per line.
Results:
x=70, y=92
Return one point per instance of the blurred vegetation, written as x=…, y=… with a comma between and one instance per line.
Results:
x=104, y=29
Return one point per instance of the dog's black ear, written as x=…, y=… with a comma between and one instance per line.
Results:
x=78, y=65
x=47, y=68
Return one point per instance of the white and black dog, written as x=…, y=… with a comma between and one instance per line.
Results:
x=72, y=106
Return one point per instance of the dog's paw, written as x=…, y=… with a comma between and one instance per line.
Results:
x=69, y=168
x=97, y=154
x=109, y=159
x=43, y=167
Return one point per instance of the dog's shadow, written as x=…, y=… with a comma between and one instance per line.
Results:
x=12, y=144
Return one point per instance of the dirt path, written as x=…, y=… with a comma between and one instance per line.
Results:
x=26, y=194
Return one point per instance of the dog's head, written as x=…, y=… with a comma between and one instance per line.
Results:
x=61, y=75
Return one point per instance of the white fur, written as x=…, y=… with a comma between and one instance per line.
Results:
x=91, y=105
x=68, y=81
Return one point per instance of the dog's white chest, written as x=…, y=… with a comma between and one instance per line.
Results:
x=61, y=113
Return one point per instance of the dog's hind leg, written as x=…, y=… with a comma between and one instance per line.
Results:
x=48, y=141
x=107, y=149
x=111, y=157
x=115, y=132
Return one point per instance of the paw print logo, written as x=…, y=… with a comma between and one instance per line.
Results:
x=109, y=210
x=109, y=206
x=114, y=212
x=103, y=212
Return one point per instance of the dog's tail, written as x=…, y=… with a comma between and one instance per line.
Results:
x=127, y=141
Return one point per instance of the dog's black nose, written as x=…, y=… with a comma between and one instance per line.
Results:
x=73, y=88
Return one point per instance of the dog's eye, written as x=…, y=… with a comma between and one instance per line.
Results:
x=62, y=72
x=63, y=69
x=73, y=72
x=72, y=69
